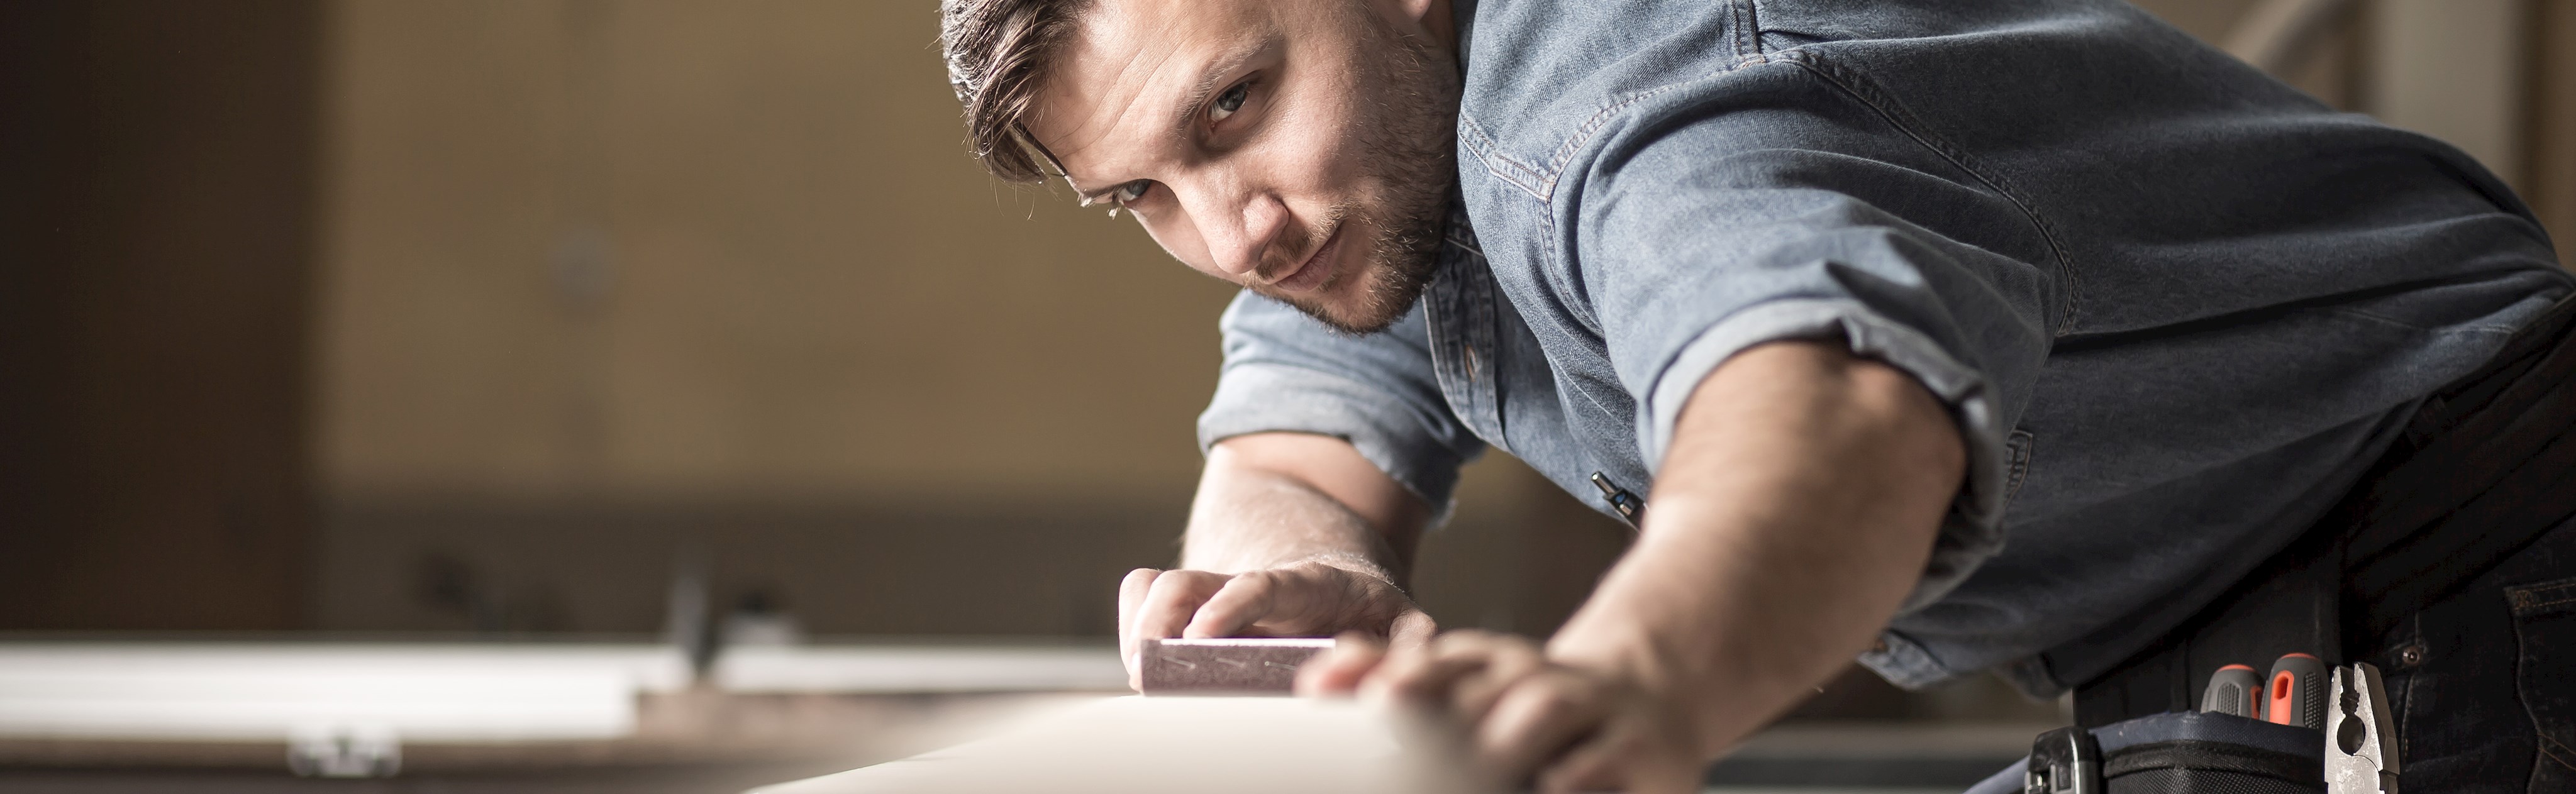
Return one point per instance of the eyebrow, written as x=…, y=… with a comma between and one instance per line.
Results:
x=1187, y=110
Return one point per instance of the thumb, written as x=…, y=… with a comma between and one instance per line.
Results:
x=1411, y=629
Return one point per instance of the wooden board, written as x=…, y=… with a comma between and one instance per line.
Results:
x=1137, y=745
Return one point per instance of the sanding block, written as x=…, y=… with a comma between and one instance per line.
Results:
x=1229, y=666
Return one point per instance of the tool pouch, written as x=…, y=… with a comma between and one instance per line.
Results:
x=2183, y=753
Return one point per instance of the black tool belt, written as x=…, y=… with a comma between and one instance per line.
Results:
x=2486, y=466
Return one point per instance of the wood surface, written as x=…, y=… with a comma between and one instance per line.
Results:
x=1140, y=745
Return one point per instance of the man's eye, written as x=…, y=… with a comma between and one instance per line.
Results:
x=1229, y=102
x=1119, y=196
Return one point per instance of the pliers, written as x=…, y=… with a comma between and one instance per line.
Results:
x=2361, y=735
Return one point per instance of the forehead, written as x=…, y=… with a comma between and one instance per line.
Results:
x=1128, y=61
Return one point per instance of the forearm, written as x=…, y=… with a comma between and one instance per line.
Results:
x=1796, y=506
x=1277, y=499
x=1248, y=519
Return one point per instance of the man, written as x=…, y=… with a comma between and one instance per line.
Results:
x=1949, y=336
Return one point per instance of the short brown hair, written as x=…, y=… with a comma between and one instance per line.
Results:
x=995, y=51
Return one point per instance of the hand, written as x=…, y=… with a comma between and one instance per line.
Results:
x=1561, y=727
x=1304, y=599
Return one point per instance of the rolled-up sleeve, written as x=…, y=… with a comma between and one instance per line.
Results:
x=1696, y=238
x=1285, y=372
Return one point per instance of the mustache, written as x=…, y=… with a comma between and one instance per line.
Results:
x=1284, y=258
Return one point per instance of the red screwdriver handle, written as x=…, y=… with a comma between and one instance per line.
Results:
x=2295, y=694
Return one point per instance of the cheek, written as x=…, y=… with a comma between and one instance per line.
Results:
x=1180, y=238
x=1317, y=152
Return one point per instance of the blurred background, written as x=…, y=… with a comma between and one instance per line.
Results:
x=653, y=334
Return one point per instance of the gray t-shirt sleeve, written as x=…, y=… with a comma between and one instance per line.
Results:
x=1697, y=238
x=1286, y=372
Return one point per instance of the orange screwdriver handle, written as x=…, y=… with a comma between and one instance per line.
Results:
x=2295, y=694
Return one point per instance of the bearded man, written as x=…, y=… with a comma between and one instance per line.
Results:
x=2025, y=336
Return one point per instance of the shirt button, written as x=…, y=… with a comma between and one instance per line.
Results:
x=2410, y=656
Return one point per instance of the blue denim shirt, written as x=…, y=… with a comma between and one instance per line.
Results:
x=2175, y=307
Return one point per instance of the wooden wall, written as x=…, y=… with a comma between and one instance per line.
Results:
x=156, y=218
x=676, y=250
x=388, y=314
x=2550, y=132
x=607, y=283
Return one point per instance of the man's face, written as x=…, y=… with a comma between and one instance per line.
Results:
x=1301, y=149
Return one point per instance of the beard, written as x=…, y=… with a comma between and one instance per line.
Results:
x=1406, y=136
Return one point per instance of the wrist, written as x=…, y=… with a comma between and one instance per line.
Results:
x=1619, y=648
x=1629, y=660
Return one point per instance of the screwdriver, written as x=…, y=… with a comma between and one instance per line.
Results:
x=2296, y=694
x=2233, y=690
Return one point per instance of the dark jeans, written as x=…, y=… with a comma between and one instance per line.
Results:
x=2484, y=682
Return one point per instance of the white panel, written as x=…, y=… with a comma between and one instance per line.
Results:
x=919, y=669
x=2451, y=69
x=1136, y=745
x=421, y=693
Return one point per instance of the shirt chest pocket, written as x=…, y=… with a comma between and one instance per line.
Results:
x=1460, y=311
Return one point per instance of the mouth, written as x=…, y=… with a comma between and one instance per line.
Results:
x=1317, y=269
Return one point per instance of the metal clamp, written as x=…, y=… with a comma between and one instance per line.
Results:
x=2064, y=761
x=2361, y=736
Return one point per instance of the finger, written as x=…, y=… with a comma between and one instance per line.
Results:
x=1533, y=722
x=1427, y=673
x=1472, y=698
x=1168, y=604
x=1131, y=596
x=1412, y=629
x=1244, y=599
x=1421, y=676
x=1284, y=600
x=1340, y=669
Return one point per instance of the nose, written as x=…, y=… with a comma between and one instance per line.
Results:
x=1243, y=225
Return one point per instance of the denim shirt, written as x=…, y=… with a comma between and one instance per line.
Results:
x=2175, y=307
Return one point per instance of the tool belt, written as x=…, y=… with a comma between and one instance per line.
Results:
x=2485, y=466
x=2178, y=753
